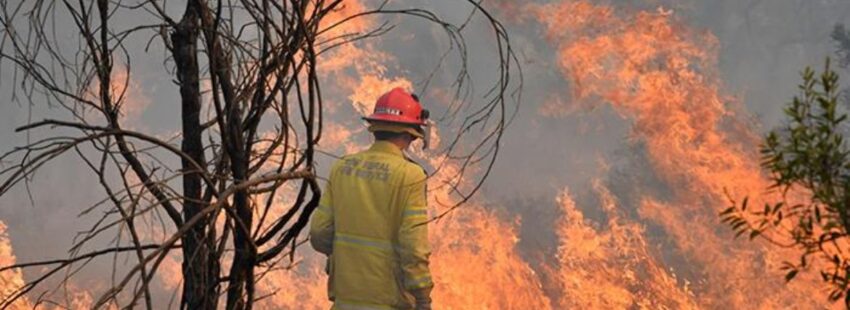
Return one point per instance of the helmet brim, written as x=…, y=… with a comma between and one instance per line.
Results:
x=414, y=130
x=392, y=119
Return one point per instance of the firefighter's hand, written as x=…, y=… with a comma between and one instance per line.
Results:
x=423, y=298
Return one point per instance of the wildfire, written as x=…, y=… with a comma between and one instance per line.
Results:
x=655, y=251
x=656, y=72
x=611, y=268
x=659, y=74
x=12, y=279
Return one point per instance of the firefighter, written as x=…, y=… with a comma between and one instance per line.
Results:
x=371, y=219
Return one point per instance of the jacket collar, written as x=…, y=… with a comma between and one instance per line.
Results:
x=386, y=147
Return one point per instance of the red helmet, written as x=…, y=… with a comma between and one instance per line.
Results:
x=398, y=106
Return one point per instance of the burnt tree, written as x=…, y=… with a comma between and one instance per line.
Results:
x=214, y=205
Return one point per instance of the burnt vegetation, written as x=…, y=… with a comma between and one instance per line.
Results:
x=251, y=134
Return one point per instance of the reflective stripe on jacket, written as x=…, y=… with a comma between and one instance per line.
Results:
x=370, y=221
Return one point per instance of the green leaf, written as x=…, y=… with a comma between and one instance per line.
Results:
x=791, y=274
x=738, y=225
x=836, y=294
x=817, y=214
x=778, y=206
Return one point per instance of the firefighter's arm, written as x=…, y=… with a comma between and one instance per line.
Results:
x=322, y=224
x=414, y=248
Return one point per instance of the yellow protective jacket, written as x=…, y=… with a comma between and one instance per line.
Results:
x=371, y=223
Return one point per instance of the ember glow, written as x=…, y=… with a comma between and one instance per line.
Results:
x=649, y=248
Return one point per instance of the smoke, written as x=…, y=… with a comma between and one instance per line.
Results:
x=635, y=118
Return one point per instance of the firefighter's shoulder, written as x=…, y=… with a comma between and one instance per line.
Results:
x=415, y=168
x=350, y=160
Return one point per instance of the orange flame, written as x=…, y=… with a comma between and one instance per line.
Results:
x=611, y=268
x=12, y=279
x=658, y=73
x=126, y=92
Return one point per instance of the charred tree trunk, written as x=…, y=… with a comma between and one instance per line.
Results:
x=240, y=289
x=241, y=286
x=200, y=265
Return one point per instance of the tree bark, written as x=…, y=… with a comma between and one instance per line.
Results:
x=200, y=265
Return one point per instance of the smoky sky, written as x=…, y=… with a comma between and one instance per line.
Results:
x=763, y=45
